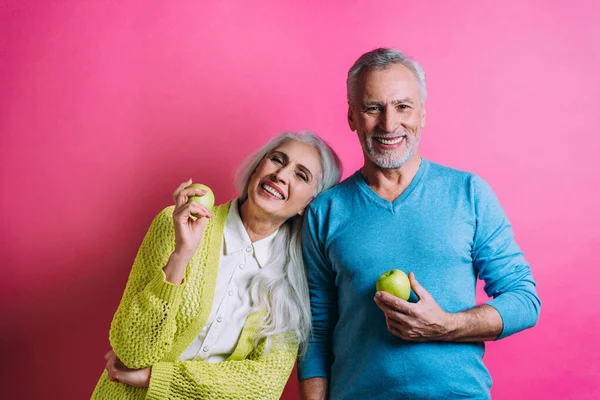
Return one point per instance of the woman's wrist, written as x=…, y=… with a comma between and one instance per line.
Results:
x=182, y=255
x=176, y=266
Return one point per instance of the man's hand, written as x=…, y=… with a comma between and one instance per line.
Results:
x=118, y=372
x=418, y=322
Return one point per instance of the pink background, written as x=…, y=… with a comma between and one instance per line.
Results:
x=105, y=106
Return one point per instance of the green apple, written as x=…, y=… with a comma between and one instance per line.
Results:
x=208, y=200
x=395, y=282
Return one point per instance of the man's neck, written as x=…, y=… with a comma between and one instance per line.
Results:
x=390, y=183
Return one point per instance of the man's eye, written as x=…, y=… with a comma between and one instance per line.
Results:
x=372, y=110
x=403, y=107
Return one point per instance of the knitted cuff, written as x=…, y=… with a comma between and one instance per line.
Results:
x=160, y=381
x=161, y=288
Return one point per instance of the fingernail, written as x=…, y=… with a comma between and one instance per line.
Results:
x=378, y=294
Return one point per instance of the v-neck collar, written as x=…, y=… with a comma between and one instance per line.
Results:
x=391, y=205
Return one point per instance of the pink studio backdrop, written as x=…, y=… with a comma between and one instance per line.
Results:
x=106, y=106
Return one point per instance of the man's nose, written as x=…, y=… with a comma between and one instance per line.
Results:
x=389, y=121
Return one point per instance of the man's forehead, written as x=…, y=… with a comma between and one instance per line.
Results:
x=395, y=83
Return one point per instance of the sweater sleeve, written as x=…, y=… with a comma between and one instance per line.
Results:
x=255, y=377
x=501, y=264
x=317, y=359
x=144, y=325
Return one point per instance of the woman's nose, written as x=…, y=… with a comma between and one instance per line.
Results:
x=280, y=175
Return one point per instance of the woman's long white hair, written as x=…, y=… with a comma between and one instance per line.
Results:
x=280, y=286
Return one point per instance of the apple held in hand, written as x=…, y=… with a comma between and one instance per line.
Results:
x=395, y=282
x=208, y=200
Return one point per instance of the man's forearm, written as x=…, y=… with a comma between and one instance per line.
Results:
x=474, y=325
x=313, y=389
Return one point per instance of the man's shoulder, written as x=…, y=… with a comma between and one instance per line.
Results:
x=449, y=172
x=340, y=191
x=453, y=176
x=344, y=188
x=470, y=181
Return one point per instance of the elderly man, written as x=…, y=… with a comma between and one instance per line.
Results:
x=444, y=226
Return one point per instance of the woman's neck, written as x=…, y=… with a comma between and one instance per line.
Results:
x=258, y=225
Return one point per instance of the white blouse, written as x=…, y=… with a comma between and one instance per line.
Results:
x=240, y=259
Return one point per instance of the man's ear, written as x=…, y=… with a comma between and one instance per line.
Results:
x=351, y=121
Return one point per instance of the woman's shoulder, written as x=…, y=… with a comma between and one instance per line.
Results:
x=166, y=212
x=163, y=220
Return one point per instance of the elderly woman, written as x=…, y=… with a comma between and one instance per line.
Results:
x=217, y=307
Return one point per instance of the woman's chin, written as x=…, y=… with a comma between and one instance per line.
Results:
x=270, y=206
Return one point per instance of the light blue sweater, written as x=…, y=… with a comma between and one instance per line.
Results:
x=449, y=229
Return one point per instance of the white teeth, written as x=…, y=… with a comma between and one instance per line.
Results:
x=389, y=141
x=272, y=191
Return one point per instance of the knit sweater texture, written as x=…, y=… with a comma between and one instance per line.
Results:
x=449, y=229
x=156, y=321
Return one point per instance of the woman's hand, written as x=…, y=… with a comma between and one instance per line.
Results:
x=188, y=230
x=118, y=372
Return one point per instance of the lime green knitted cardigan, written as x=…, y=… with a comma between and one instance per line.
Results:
x=156, y=321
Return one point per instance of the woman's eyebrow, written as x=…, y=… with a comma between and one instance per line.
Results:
x=306, y=171
x=300, y=166
x=281, y=154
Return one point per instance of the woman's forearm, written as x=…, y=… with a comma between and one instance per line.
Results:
x=175, y=268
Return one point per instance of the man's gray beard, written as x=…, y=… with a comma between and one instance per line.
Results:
x=386, y=160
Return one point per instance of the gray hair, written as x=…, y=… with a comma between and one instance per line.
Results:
x=331, y=166
x=379, y=59
x=280, y=286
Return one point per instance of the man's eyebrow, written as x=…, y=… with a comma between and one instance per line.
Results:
x=404, y=100
x=368, y=103
x=372, y=103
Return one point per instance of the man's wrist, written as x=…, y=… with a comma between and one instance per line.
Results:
x=477, y=324
x=451, y=326
x=314, y=388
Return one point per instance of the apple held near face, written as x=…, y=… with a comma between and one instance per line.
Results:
x=208, y=200
x=395, y=282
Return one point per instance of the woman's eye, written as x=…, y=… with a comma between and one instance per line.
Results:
x=277, y=159
x=302, y=176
